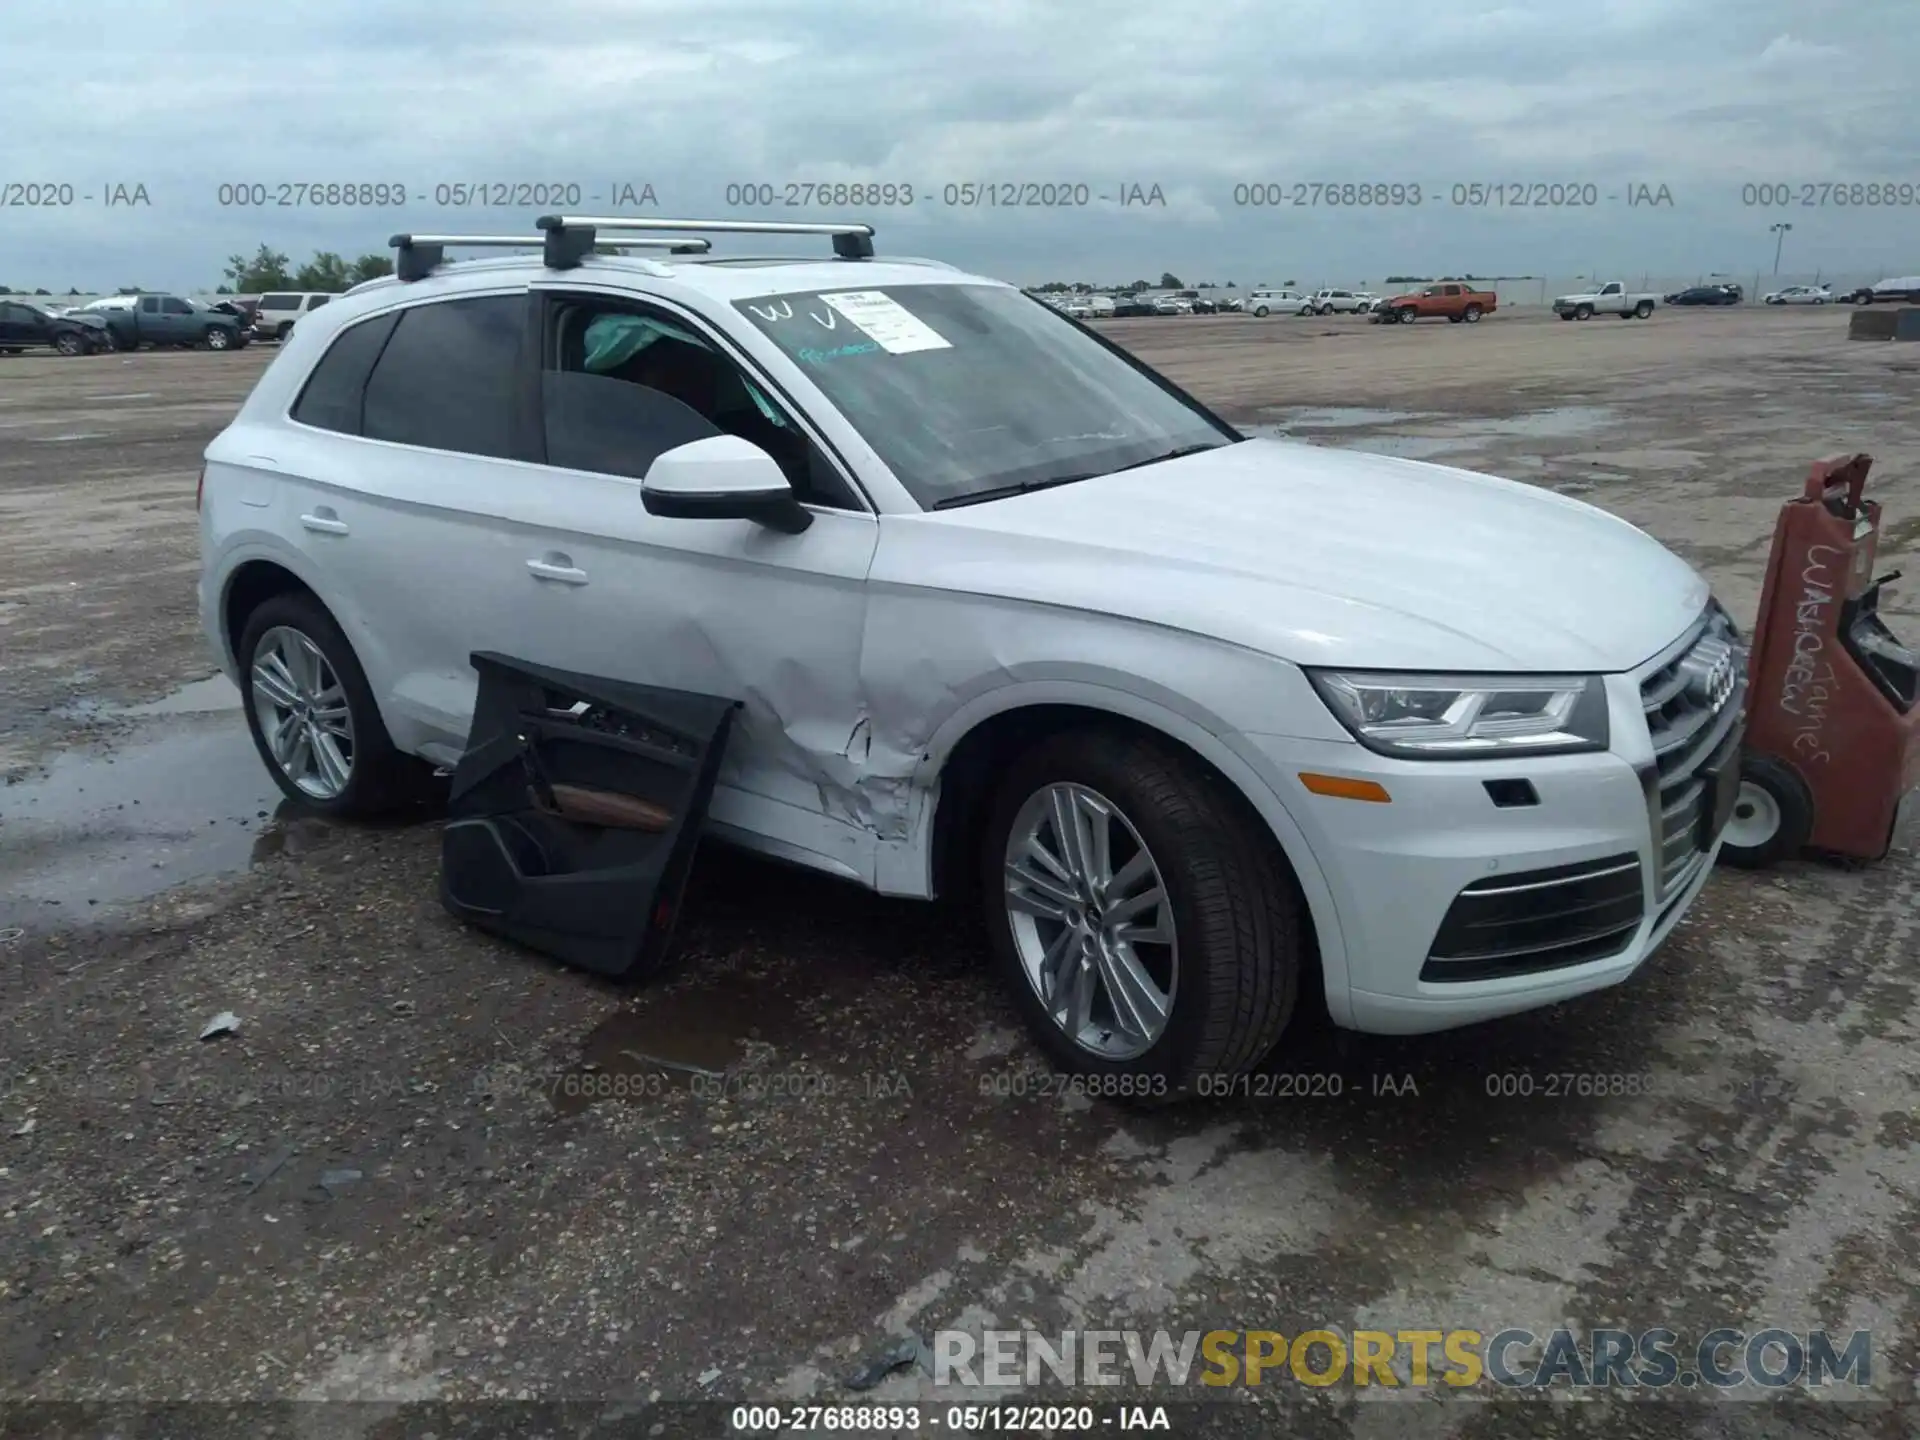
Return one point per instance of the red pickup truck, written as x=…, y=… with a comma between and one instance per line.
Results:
x=1449, y=298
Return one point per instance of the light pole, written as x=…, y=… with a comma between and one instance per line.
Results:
x=1780, y=229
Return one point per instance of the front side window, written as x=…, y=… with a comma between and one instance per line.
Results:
x=173, y=306
x=965, y=389
x=446, y=377
x=623, y=384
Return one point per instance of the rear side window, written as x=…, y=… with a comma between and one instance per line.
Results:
x=446, y=377
x=315, y=302
x=337, y=388
x=279, y=302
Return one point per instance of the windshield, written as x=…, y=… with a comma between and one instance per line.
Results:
x=962, y=389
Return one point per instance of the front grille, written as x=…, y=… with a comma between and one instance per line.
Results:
x=1695, y=729
x=1539, y=920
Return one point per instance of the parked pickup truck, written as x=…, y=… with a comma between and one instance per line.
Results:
x=162, y=320
x=1612, y=298
x=1449, y=298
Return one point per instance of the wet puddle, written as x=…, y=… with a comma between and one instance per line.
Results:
x=1340, y=417
x=1438, y=436
x=714, y=1039
x=183, y=796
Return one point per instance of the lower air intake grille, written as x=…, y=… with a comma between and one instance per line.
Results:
x=1539, y=920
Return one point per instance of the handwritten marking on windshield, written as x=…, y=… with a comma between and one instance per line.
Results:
x=781, y=311
x=811, y=356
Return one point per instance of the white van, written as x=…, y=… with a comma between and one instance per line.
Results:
x=278, y=310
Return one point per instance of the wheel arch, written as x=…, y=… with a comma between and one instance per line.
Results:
x=250, y=585
x=965, y=754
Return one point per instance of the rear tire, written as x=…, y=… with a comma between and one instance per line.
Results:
x=1225, y=980
x=1471, y=315
x=1772, y=817
x=1643, y=310
x=1260, y=311
x=378, y=779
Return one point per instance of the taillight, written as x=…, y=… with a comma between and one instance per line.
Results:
x=200, y=489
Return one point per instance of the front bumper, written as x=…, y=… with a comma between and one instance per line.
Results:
x=1461, y=900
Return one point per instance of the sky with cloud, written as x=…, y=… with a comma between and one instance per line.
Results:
x=1704, y=97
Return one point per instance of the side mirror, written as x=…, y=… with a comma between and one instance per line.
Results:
x=722, y=478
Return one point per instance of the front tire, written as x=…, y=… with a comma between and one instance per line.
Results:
x=68, y=343
x=1144, y=923
x=1260, y=312
x=1409, y=315
x=217, y=338
x=1772, y=817
x=1584, y=312
x=313, y=717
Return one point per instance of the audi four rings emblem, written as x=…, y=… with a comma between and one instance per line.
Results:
x=1713, y=675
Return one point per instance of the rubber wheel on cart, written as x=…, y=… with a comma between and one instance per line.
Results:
x=1145, y=923
x=313, y=717
x=1772, y=815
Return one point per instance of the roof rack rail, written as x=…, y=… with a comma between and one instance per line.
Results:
x=418, y=255
x=571, y=237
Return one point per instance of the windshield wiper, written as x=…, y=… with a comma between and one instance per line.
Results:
x=1176, y=454
x=1001, y=492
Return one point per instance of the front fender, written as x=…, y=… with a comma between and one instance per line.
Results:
x=906, y=867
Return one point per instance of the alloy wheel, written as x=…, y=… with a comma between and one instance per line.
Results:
x=1092, y=921
x=303, y=713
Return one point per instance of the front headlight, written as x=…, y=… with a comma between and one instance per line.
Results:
x=1467, y=717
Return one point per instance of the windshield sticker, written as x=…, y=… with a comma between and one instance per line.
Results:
x=810, y=356
x=893, y=327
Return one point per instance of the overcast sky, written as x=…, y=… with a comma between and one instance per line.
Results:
x=689, y=96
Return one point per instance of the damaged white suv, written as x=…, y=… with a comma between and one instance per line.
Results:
x=1206, y=724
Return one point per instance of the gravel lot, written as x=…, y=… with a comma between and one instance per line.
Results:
x=397, y=1181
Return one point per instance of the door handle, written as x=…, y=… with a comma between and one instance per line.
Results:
x=326, y=522
x=558, y=568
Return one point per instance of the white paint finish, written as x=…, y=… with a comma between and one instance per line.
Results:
x=1183, y=595
x=1325, y=557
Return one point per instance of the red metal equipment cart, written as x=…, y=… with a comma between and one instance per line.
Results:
x=1833, y=729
